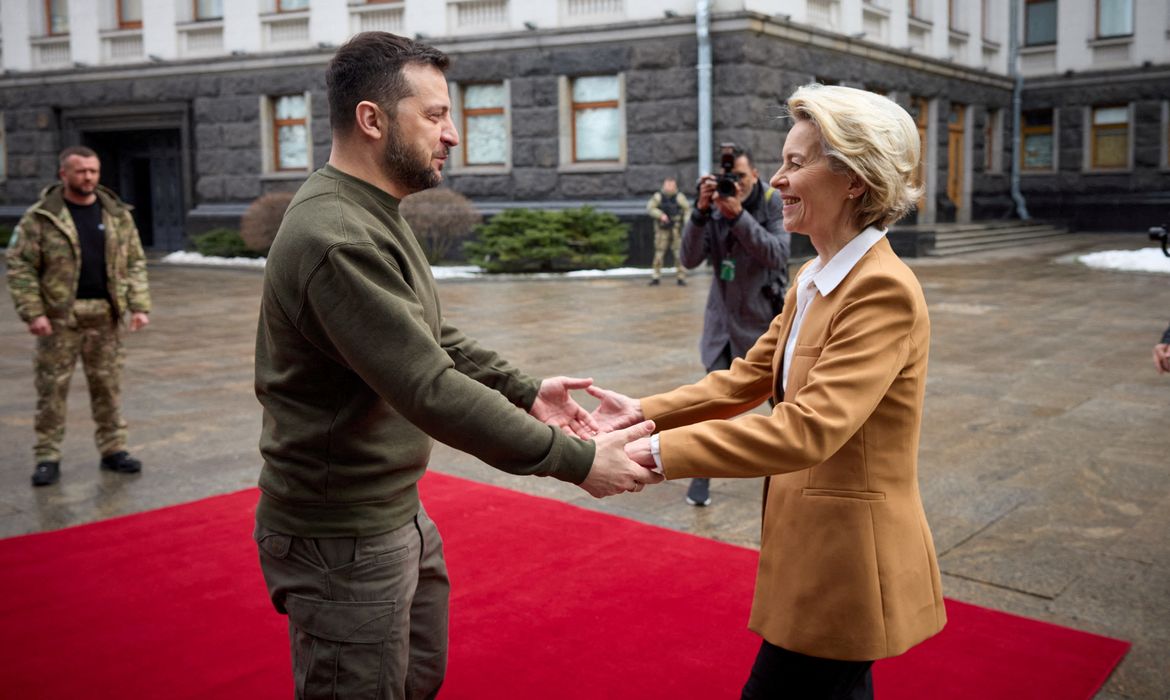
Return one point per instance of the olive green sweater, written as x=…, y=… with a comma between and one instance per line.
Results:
x=357, y=371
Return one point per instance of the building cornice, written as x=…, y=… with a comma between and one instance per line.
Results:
x=638, y=31
x=1108, y=77
x=811, y=36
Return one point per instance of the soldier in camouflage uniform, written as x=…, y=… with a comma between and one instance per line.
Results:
x=669, y=208
x=75, y=267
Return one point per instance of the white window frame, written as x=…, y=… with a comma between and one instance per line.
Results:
x=1097, y=21
x=458, y=162
x=565, y=114
x=269, y=166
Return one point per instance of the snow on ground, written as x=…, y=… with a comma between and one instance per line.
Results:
x=1142, y=260
x=441, y=272
x=183, y=257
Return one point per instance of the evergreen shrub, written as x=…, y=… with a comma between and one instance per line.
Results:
x=222, y=243
x=525, y=240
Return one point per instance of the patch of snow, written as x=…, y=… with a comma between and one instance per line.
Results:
x=441, y=272
x=1142, y=260
x=184, y=257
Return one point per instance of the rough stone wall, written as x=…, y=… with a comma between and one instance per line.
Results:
x=1130, y=200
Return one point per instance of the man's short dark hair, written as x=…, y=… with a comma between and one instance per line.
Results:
x=746, y=153
x=83, y=151
x=369, y=67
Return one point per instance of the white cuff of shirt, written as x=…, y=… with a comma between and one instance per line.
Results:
x=656, y=453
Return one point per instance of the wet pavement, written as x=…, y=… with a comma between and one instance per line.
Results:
x=1045, y=450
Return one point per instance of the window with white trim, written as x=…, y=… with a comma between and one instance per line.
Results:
x=485, y=124
x=1039, y=22
x=288, y=138
x=1114, y=18
x=596, y=119
x=129, y=14
x=207, y=10
x=56, y=17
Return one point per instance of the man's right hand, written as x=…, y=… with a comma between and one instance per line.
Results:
x=40, y=326
x=706, y=192
x=612, y=471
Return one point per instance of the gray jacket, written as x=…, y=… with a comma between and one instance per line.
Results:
x=739, y=311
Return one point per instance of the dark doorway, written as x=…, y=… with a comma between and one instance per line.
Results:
x=144, y=168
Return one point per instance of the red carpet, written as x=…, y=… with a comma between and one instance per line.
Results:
x=549, y=601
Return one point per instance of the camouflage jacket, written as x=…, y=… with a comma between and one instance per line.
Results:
x=654, y=209
x=44, y=259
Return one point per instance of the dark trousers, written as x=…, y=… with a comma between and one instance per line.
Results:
x=779, y=674
x=367, y=616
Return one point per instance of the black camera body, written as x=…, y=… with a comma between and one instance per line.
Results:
x=727, y=181
x=1159, y=233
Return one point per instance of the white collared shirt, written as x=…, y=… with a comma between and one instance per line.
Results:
x=817, y=277
x=824, y=277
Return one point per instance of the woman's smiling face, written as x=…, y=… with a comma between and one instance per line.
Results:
x=814, y=194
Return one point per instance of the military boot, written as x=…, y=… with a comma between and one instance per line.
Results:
x=121, y=462
x=46, y=473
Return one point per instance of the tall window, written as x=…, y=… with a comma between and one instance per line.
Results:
x=596, y=118
x=290, y=132
x=291, y=5
x=485, y=128
x=129, y=14
x=1114, y=18
x=3, y=151
x=920, y=110
x=208, y=9
x=1038, y=148
x=1109, y=137
x=992, y=141
x=56, y=17
x=1039, y=22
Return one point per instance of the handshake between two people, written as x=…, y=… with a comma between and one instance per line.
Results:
x=622, y=461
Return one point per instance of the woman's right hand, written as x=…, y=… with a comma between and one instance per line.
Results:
x=616, y=411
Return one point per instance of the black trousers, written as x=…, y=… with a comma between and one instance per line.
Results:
x=779, y=674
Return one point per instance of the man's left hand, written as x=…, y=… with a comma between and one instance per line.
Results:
x=555, y=406
x=139, y=320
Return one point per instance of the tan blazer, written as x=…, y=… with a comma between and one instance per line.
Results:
x=847, y=564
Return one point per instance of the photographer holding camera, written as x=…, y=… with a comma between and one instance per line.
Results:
x=736, y=224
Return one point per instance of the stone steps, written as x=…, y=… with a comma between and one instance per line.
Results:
x=973, y=238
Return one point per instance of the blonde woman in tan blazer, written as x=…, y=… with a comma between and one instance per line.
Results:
x=847, y=572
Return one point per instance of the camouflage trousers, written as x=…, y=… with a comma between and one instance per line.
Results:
x=665, y=238
x=96, y=339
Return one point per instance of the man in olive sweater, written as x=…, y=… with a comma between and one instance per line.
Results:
x=358, y=372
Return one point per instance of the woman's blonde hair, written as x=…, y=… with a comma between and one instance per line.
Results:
x=869, y=136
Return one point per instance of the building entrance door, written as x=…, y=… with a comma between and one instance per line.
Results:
x=144, y=167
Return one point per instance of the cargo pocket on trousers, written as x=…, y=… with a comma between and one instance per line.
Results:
x=338, y=646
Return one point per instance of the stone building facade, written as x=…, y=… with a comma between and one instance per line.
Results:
x=191, y=138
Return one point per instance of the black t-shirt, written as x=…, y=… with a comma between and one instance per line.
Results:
x=91, y=233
